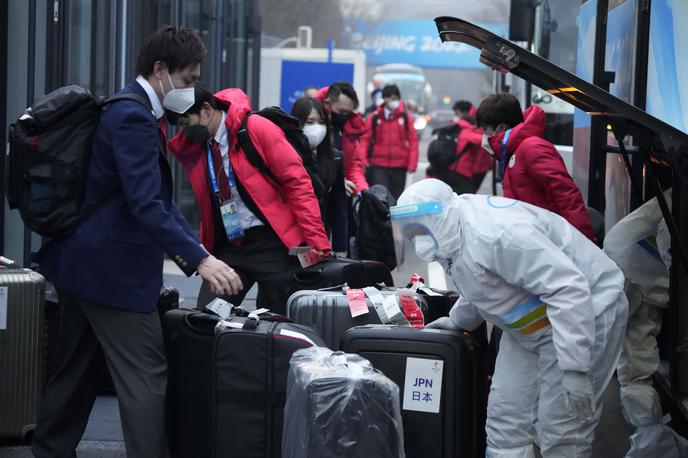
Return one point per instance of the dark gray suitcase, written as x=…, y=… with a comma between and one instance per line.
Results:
x=22, y=317
x=327, y=311
x=444, y=416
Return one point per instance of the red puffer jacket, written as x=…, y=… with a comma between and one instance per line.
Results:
x=475, y=159
x=536, y=174
x=353, y=158
x=290, y=208
x=396, y=142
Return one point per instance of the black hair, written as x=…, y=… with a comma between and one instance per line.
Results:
x=498, y=109
x=202, y=95
x=462, y=105
x=177, y=47
x=327, y=169
x=390, y=90
x=339, y=88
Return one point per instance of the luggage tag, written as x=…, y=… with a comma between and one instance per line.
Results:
x=387, y=307
x=411, y=310
x=357, y=302
x=307, y=255
x=220, y=307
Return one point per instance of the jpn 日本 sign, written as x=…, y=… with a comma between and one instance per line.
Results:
x=423, y=385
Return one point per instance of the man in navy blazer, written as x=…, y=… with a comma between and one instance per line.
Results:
x=108, y=273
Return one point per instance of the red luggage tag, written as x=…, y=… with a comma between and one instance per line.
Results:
x=357, y=302
x=411, y=310
x=307, y=255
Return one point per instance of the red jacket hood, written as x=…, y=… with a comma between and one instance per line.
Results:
x=238, y=105
x=533, y=125
x=469, y=132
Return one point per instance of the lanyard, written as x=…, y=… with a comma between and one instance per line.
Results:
x=503, y=161
x=230, y=173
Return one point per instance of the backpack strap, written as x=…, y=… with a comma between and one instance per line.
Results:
x=108, y=196
x=373, y=138
x=145, y=101
x=254, y=158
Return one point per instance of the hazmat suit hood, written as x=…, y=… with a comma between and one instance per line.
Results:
x=444, y=227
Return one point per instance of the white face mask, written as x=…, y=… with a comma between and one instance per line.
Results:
x=315, y=133
x=177, y=100
x=425, y=247
x=393, y=105
x=486, y=145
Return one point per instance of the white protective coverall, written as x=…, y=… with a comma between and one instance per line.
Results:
x=558, y=298
x=640, y=245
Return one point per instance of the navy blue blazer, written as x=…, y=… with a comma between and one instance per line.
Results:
x=116, y=257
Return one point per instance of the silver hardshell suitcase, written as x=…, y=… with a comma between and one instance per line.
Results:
x=22, y=312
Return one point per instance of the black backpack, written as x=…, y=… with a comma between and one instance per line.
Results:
x=374, y=228
x=290, y=126
x=373, y=138
x=50, y=148
x=442, y=149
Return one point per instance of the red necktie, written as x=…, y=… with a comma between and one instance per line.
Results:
x=220, y=175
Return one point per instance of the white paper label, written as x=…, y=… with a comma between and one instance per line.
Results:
x=423, y=385
x=3, y=307
x=220, y=307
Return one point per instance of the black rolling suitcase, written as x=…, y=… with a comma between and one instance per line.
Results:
x=441, y=377
x=339, y=406
x=336, y=271
x=227, y=388
x=328, y=312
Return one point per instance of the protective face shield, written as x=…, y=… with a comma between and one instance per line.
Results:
x=411, y=230
x=177, y=100
x=315, y=133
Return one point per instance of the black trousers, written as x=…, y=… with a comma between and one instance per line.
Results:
x=132, y=344
x=392, y=178
x=260, y=258
x=459, y=183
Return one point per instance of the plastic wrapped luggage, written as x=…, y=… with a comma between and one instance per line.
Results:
x=441, y=375
x=22, y=352
x=227, y=384
x=336, y=271
x=338, y=406
x=330, y=312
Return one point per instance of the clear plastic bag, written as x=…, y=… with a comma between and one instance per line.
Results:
x=339, y=406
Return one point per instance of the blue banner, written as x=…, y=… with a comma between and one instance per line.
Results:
x=297, y=75
x=667, y=91
x=416, y=42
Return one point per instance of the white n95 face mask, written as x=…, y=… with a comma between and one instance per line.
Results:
x=393, y=105
x=315, y=134
x=486, y=145
x=178, y=100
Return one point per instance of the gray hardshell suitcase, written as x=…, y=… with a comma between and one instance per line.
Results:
x=327, y=311
x=22, y=312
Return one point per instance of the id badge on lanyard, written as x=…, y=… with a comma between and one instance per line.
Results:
x=228, y=208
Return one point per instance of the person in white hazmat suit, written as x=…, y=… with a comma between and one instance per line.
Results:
x=558, y=298
x=640, y=245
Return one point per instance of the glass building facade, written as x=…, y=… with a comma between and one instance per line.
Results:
x=94, y=43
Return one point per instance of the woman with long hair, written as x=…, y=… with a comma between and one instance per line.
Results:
x=327, y=168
